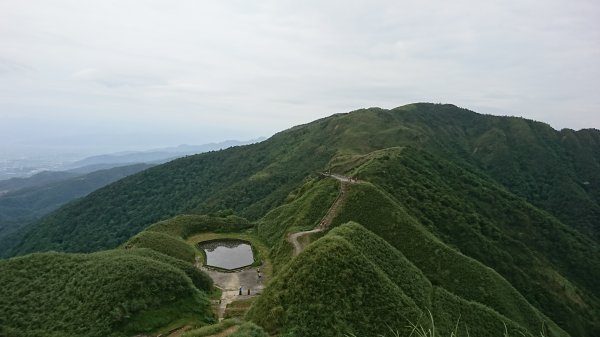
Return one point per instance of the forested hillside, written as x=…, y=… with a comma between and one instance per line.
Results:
x=28, y=199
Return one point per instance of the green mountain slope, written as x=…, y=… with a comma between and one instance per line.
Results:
x=113, y=293
x=353, y=282
x=34, y=197
x=529, y=158
x=552, y=265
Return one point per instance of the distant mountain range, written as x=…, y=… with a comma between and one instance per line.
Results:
x=155, y=156
x=29, y=166
x=26, y=199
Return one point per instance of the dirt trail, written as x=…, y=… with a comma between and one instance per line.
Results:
x=295, y=238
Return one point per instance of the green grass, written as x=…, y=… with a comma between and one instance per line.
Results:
x=185, y=225
x=238, y=309
x=352, y=281
x=211, y=329
x=245, y=329
x=425, y=326
x=163, y=243
x=552, y=265
x=443, y=266
x=199, y=278
x=113, y=293
x=303, y=210
x=248, y=329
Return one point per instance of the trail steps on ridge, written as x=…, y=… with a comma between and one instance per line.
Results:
x=294, y=238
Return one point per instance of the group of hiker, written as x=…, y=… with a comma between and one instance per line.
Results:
x=241, y=292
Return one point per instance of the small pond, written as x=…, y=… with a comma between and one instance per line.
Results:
x=227, y=254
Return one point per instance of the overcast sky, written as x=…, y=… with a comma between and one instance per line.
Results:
x=97, y=76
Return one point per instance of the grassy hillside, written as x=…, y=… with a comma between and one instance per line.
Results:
x=100, y=294
x=353, y=282
x=554, y=266
x=529, y=158
x=185, y=225
x=480, y=219
x=163, y=243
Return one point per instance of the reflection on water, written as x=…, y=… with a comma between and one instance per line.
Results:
x=228, y=254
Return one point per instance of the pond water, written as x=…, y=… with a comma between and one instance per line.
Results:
x=228, y=254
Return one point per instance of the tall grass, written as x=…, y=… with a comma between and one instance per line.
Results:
x=418, y=329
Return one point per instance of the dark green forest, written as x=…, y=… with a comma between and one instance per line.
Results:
x=28, y=199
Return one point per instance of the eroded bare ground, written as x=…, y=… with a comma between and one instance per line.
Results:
x=247, y=281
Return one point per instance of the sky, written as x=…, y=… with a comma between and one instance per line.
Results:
x=101, y=76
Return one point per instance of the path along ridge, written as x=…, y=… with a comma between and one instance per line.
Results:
x=294, y=238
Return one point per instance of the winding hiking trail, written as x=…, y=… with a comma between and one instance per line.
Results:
x=294, y=238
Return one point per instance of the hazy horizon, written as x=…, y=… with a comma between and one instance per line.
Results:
x=106, y=76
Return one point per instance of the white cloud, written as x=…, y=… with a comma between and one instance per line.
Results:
x=262, y=66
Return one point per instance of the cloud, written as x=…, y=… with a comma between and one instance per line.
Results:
x=115, y=80
x=264, y=66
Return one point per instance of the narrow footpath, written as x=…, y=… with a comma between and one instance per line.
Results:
x=295, y=239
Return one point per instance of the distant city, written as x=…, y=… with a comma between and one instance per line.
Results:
x=26, y=166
